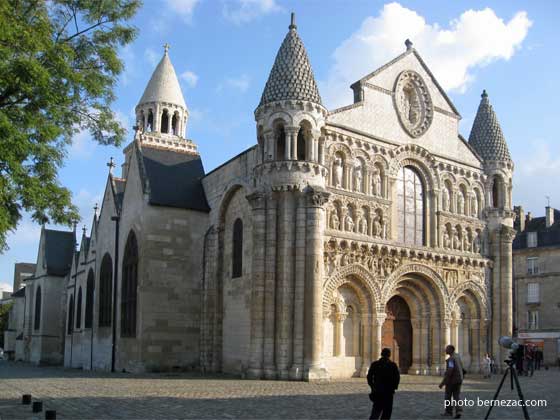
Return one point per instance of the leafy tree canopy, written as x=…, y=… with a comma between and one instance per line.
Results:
x=58, y=69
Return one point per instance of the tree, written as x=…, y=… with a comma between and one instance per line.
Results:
x=4, y=317
x=58, y=69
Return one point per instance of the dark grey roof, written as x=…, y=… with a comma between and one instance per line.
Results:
x=59, y=248
x=291, y=76
x=486, y=135
x=118, y=185
x=19, y=293
x=546, y=236
x=174, y=179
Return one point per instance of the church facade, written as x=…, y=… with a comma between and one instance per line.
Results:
x=339, y=233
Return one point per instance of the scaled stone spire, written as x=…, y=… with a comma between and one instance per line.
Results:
x=486, y=135
x=291, y=76
x=164, y=85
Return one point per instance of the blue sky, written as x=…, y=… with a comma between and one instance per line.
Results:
x=223, y=51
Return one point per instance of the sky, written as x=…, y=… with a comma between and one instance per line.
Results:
x=223, y=51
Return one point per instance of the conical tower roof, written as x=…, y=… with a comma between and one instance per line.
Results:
x=486, y=135
x=291, y=76
x=164, y=85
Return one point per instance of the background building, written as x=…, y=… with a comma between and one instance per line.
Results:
x=536, y=271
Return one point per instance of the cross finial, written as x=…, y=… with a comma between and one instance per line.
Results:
x=293, y=21
x=84, y=230
x=408, y=44
x=95, y=208
x=547, y=200
x=166, y=47
x=484, y=94
x=111, y=165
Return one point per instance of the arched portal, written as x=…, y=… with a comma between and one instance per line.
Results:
x=397, y=332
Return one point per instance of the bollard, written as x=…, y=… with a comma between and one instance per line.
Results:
x=37, y=406
x=26, y=399
x=50, y=415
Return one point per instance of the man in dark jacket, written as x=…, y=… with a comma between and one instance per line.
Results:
x=383, y=378
x=452, y=380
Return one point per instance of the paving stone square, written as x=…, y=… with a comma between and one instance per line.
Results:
x=77, y=394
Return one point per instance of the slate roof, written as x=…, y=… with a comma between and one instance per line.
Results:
x=174, y=179
x=486, y=135
x=291, y=76
x=59, y=248
x=545, y=236
x=164, y=85
x=118, y=185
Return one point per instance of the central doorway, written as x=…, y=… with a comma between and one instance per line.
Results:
x=397, y=332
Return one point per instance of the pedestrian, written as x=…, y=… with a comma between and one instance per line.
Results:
x=383, y=378
x=538, y=359
x=487, y=366
x=530, y=358
x=452, y=380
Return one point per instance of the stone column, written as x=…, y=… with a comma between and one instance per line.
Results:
x=316, y=199
x=288, y=144
x=378, y=338
x=157, y=118
x=424, y=346
x=416, y=348
x=496, y=297
x=507, y=236
x=258, y=204
x=347, y=177
x=366, y=344
x=269, y=289
x=293, y=135
x=338, y=333
x=296, y=371
x=284, y=284
x=322, y=150
x=454, y=334
x=476, y=353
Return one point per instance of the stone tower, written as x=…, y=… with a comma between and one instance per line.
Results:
x=289, y=217
x=488, y=141
x=161, y=113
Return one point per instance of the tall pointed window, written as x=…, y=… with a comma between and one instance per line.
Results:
x=89, y=300
x=129, y=287
x=237, y=251
x=79, y=309
x=301, y=145
x=165, y=121
x=70, y=324
x=410, y=207
x=37, y=320
x=105, y=291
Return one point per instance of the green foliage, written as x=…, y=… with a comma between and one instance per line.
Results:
x=58, y=69
x=4, y=316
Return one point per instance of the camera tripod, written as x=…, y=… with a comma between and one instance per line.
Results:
x=514, y=380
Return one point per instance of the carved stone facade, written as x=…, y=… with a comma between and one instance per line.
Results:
x=340, y=231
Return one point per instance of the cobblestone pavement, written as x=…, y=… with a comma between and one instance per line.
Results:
x=77, y=394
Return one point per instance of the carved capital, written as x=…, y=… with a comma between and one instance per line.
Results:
x=316, y=197
x=507, y=234
x=257, y=200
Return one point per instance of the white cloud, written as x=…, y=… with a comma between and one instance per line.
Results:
x=240, y=83
x=82, y=146
x=243, y=11
x=473, y=40
x=152, y=56
x=183, y=8
x=190, y=78
x=5, y=287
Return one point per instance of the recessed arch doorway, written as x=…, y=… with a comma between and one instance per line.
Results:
x=397, y=332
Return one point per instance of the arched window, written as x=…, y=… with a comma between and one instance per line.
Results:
x=237, y=251
x=89, y=300
x=129, y=287
x=300, y=145
x=165, y=121
x=37, y=321
x=410, y=207
x=105, y=291
x=281, y=144
x=70, y=327
x=79, y=309
x=175, y=124
x=495, y=193
x=150, y=126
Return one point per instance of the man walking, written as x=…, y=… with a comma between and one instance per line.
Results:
x=383, y=378
x=452, y=381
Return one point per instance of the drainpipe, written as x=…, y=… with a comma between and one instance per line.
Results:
x=115, y=219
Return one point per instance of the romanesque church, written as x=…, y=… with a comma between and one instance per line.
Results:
x=338, y=233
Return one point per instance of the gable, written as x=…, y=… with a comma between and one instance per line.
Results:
x=378, y=110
